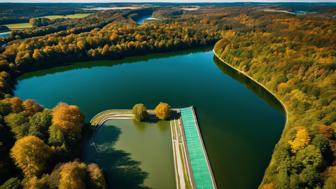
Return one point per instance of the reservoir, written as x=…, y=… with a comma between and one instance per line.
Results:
x=240, y=122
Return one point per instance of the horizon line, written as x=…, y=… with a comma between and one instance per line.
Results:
x=202, y=2
x=166, y=1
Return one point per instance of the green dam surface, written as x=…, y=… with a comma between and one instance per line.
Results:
x=239, y=121
x=197, y=154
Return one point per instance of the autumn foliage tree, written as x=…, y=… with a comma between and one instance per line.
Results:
x=72, y=175
x=31, y=107
x=65, y=132
x=162, y=111
x=37, y=183
x=15, y=104
x=97, y=180
x=31, y=155
x=68, y=118
x=140, y=112
x=301, y=140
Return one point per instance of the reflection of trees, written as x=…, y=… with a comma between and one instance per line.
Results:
x=261, y=92
x=100, y=63
x=119, y=169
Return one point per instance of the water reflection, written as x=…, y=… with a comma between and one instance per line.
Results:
x=251, y=85
x=120, y=169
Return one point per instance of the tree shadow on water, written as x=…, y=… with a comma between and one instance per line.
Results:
x=120, y=170
x=151, y=118
x=251, y=85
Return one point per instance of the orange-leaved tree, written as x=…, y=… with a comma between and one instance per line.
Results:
x=68, y=118
x=31, y=107
x=162, y=111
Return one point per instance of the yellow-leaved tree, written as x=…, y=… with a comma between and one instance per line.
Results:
x=301, y=139
x=31, y=155
x=72, y=175
x=36, y=183
x=140, y=112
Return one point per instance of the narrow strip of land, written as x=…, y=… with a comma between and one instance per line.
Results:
x=201, y=169
x=100, y=118
x=183, y=173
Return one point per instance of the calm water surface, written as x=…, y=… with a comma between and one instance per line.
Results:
x=240, y=122
x=142, y=19
x=148, y=142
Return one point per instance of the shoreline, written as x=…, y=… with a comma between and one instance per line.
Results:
x=260, y=84
x=269, y=91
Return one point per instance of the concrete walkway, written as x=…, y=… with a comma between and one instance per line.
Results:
x=183, y=173
x=102, y=117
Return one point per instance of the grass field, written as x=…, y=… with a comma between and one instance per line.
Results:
x=18, y=26
x=79, y=15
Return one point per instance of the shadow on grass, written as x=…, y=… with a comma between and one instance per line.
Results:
x=120, y=170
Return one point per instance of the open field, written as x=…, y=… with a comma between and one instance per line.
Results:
x=18, y=26
x=79, y=15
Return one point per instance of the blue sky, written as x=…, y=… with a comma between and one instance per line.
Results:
x=182, y=1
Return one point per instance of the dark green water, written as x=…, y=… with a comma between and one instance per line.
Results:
x=239, y=121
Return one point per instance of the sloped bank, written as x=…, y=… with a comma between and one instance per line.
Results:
x=304, y=155
x=263, y=183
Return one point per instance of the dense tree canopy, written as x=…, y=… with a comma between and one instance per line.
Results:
x=293, y=56
x=68, y=118
x=31, y=107
x=72, y=175
x=32, y=155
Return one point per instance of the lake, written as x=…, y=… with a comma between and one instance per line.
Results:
x=142, y=20
x=239, y=121
x=5, y=34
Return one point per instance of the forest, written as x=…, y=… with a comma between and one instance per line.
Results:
x=295, y=59
x=293, y=56
x=58, y=132
x=22, y=12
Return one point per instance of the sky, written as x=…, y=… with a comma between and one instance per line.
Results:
x=179, y=1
